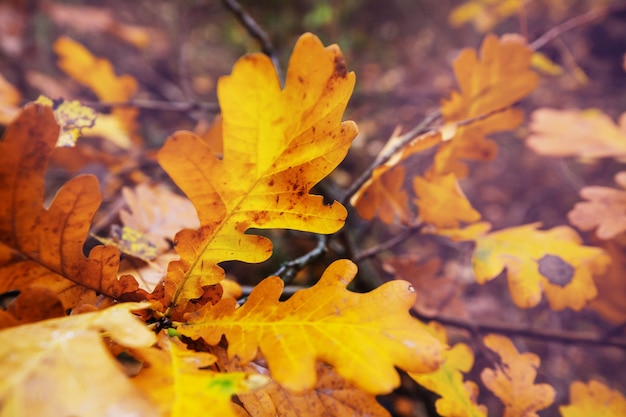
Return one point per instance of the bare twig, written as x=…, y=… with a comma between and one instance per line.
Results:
x=256, y=32
x=575, y=22
x=510, y=329
x=289, y=269
x=397, y=239
x=178, y=106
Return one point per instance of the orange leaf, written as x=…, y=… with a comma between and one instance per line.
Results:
x=594, y=399
x=553, y=260
x=605, y=210
x=45, y=246
x=612, y=286
x=458, y=397
x=441, y=201
x=579, y=133
x=513, y=381
x=9, y=100
x=491, y=84
x=364, y=336
x=277, y=145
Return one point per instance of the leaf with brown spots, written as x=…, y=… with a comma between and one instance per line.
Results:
x=44, y=247
x=278, y=143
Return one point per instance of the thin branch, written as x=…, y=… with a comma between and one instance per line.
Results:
x=177, y=106
x=289, y=269
x=396, y=240
x=422, y=127
x=575, y=22
x=510, y=329
x=256, y=32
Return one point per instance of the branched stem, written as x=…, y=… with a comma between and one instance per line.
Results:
x=381, y=247
x=179, y=106
x=510, y=329
x=289, y=269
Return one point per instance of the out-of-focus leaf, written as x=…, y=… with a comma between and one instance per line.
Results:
x=542, y=63
x=363, y=336
x=441, y=201
x=458, y=397
x=33, y=304
x=72, y=117
x=483, y=14
x=61, y=367
x=553, y=260
x=604, y=211
x=587, y=134
x=593, y=399
x=9, y=101
x=489, y=84
x=513, y=381
x=278, y=143
x=176, y=379
x=612, y=286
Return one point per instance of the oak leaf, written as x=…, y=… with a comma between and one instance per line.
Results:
x=604, y=211
x=587, y=134
x=71, y=116
x=593, y=399
x=483, y=14
x=363, y=336
x=41, y=246
x=612, y=286
x=489, y=86
x=278, y=143
x=178, y=381
x=441, y=201
x=512, y=381
x=9, y=101
x=332, y=396
x=61, y=367
x=553, y=260
x=458, y=397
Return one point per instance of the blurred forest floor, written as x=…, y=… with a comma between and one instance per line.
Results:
x=400, y=50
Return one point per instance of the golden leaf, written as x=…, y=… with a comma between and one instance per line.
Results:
x=593, y=399
x=61, y=367
x=278, y=143
x=9, y=101
x=580, y=133
x=488, y=87
x=483, y=14
x=553, y=260
x=513, y=381
x=363, y=336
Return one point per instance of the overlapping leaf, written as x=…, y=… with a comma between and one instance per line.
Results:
x=489, y=85
x=278, y=143
x=458, y=397
x=363, y=336
x=61, y=367
x=175, y=379
x=585, y=134
x=514, y=381
x=593, y=399
x=554, y=261
x=41, y=246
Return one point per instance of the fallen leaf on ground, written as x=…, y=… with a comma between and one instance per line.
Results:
x=71, y=116
x=604, y=211
x=587, y=134
x=593, y=399
x=9, y=101
x=363, y=336
x=513, y=381
x=61, y=367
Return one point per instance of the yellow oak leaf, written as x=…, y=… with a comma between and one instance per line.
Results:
x=441, y=201
x=587, y=134
x=363, y=336
x=278, y=143
x=458, y=397
x=332, y=396
x=593, y=399
x=553, y=260
x=604, y=211
x=483, y=14
x=489, y=86
x=512, y=381
x=98, y=75
x=40, y=246
x=61, y=367
x=176, y=379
